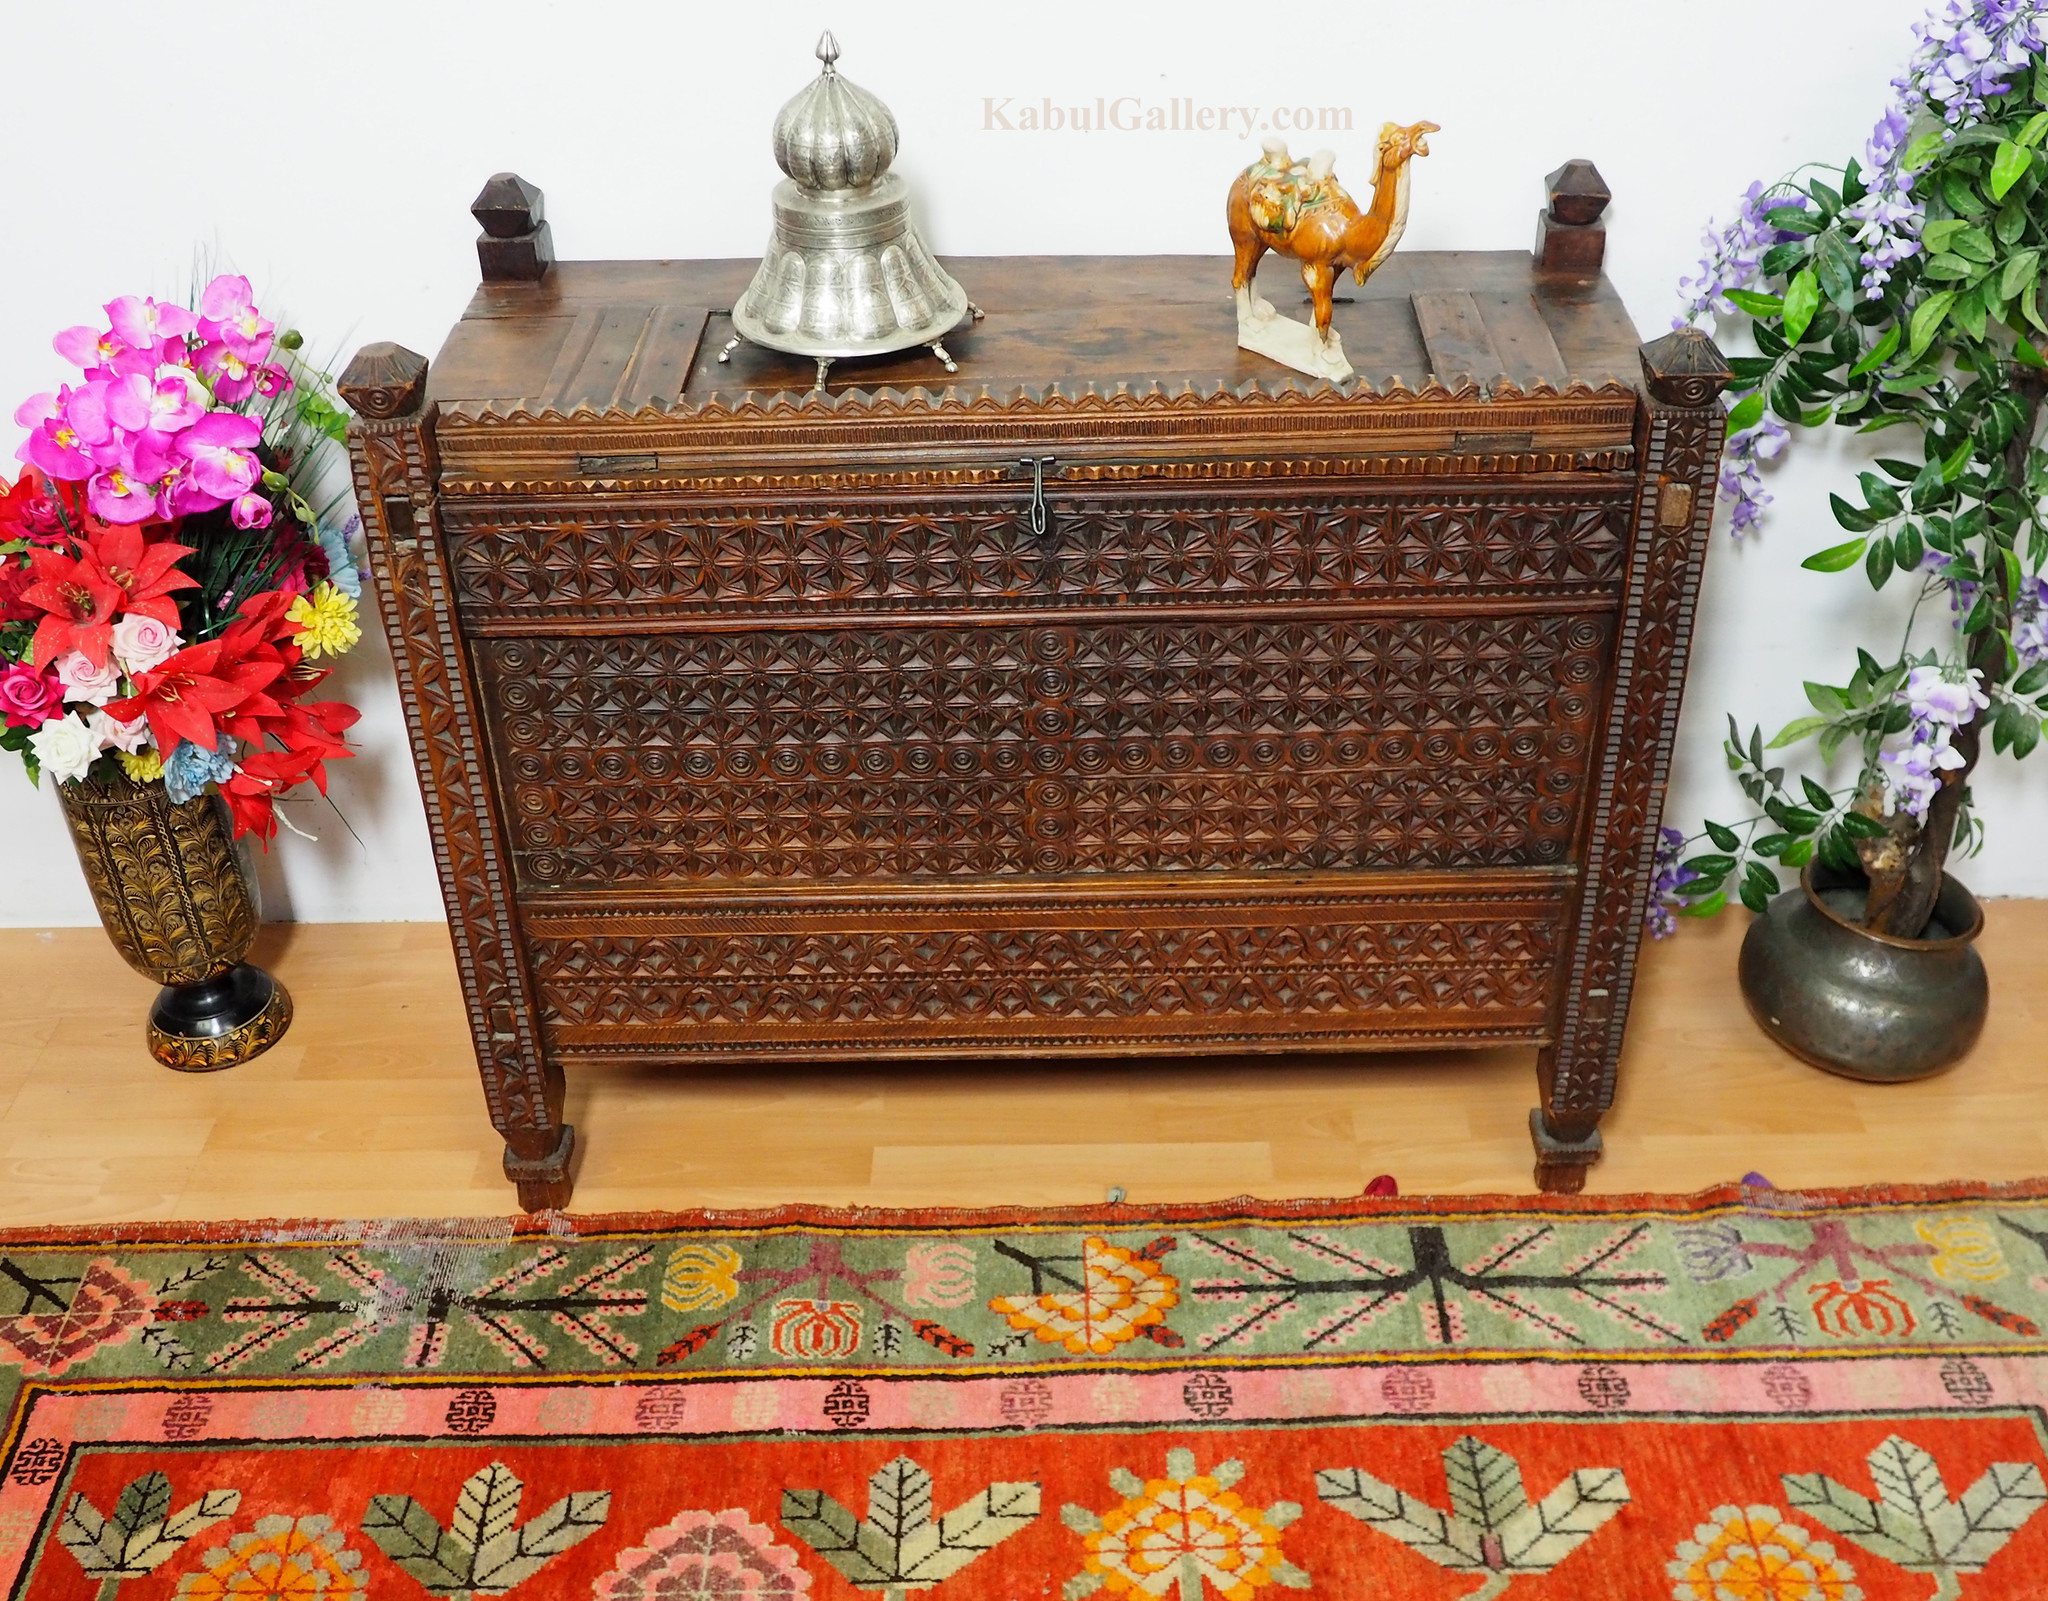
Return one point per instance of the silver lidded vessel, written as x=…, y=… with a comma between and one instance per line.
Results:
x=845, y=273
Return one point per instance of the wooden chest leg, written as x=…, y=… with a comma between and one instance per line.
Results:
x=537, y=1161
x=1565, y=1148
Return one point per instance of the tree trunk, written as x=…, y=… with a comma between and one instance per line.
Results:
x=1902, y=896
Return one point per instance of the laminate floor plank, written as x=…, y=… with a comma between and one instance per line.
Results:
x=370, y=1107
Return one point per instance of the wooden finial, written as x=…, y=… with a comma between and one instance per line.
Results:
x=1571, y=240
x=515, y=246
x=384, y=381
x=1685, y=368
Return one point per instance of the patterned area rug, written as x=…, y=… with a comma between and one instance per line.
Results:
x=1741, y=1396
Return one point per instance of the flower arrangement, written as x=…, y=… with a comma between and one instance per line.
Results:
x=1901, y=292
x=168, y=597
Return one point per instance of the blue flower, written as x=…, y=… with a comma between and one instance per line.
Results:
x=341, y=563
x=192, y=767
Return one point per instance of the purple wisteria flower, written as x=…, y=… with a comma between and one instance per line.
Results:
x=2030, y=622
x=1661, y=919
x=1742, y=481
x=1734, y=255
x=1964, y=55
x=1940, y=700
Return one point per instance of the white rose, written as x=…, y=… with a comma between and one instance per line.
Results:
x=83, y=681
x=111, y=733
x=65, y=747
x=141, y=642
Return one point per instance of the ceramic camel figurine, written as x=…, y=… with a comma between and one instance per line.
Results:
x=1298, y=209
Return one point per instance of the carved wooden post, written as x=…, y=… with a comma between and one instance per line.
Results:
x=1678, y=436
x=1571, y=240
x=516, y=245
x=391, y=443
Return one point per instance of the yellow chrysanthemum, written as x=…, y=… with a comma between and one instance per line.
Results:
x=145, y=766
x=326, y=619
x=1756, y=1554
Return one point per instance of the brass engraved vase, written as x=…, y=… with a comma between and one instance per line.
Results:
x=174, y=901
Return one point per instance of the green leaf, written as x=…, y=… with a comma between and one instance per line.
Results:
x=1879, y=353
x=1485, y=1483
x=410, y=1536
x=1802, y=300
x=1772, y=844
x=1724, y=837
x=487, y=1505
x=1706, y=908
x=1747, y=412
x=1878, y=563
x=1862, y=827
x=1818, y=796
x=1928, y=319
x=1759, y=884
x=1884, y=500
x=1924, y=149
x=1948, y=269
x=1446, y=1541
x=2026, y=737
x=516, y=1555
x=1539, y=1537
x=2033, y=679
x=1755, y=304
x=1907, y=551
x=1836, y=557
x=1826, y=699
x=2024, y=351
x=1970, y=313
x=1709, y=866
x=1793, y=219
x=2033, y=132
x=1804, y=727
x=2020, y=271
x=2008, y=166
x=1975, y=244
x=1936, y=236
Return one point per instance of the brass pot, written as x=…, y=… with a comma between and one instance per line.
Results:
x=177, y=905
x=1868, y=1006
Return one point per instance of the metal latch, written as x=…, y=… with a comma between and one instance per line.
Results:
x=1039, y=518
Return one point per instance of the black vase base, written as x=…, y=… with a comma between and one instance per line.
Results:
x=219, y=1022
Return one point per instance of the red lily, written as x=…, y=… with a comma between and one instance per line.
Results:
x=263, y=776
x=146, y=570
x=79, y=601
x=183, y=694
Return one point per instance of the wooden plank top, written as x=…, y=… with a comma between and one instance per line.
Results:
x=641, y=339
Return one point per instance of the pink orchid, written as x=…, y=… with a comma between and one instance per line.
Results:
x=272, y=380
x=251, y=511
x=144, y=323
x=71, y=434
x=219, y=448
x=100, y=352
x=233, y=379
x=228, y=310
x=173, y=401
x=117, y=497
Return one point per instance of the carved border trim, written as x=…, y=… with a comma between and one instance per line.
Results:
x=1681, y=449
x=394, y=468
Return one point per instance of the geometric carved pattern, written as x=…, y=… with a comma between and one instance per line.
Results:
x=1476, y=971
x=867, y=554
x=1142, y=746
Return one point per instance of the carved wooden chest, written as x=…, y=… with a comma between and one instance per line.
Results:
x=1118, y=694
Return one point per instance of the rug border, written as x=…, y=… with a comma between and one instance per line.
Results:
x=1127, y=1214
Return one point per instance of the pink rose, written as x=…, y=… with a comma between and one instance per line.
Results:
x=140, y=642
x=29, y=697
x=83, y=681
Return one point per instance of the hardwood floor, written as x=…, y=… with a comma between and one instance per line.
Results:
x=371, y=1105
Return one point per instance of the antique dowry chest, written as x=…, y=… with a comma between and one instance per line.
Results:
x=1121, y=693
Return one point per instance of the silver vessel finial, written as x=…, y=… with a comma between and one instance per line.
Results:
x=828, y=49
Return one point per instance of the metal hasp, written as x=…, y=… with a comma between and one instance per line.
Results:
x=845, y=273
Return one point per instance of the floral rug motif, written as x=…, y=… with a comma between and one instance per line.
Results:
x=1744, y=1395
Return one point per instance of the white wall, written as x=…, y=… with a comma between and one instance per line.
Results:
x=331, y=151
